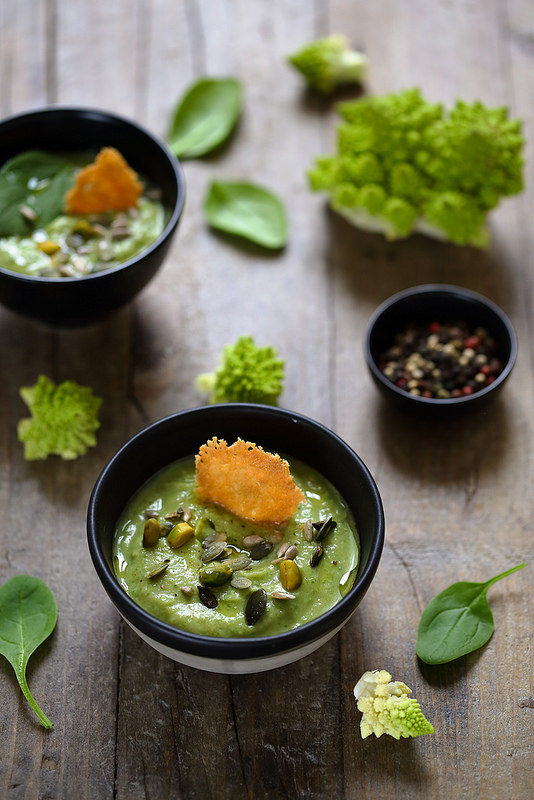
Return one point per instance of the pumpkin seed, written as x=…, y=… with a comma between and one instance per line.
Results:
x=207, y=598
x=260, y=550
x=256, y=605
x=160, y=569
x=316, y=556
x=215, y=575
x=290, y=576
x=240, y=582
x=241, y=562
x=151, y=532
x=213, y=538
x=213, y=551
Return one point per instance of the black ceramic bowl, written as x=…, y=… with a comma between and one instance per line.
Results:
x=441, y=303
x=80, y=301
x=276, y=430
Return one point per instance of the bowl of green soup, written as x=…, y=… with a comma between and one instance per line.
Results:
x=211, y=587
x=89, y=205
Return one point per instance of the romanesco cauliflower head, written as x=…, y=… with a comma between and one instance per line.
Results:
x=246, y=374
x=387, y=708
x=403, y=164
x=329, y=62
x=63, y=419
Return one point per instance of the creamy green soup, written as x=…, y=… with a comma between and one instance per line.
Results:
x=174, y=583
x=37, y=238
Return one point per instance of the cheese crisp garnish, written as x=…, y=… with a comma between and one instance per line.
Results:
x=108, y=184
x=247, y=481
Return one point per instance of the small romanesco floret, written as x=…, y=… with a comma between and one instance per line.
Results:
x=387, y=708
x=246, y=374
x=404, y=165
x=329, y=63
x=63, y=419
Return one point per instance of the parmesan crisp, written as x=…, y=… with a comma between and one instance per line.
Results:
x=108, y=184
x=247, y=481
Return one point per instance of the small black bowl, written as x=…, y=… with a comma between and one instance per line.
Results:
x=276, y=430
x=79, y=301
x=429, y=303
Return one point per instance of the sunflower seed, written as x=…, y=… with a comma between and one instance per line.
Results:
x=323, y=529
x=187, y=591
x=279, y=595
x=316, y=556
x=291, y=551
x=308, y=530
x=250, y=541
x=282, y=549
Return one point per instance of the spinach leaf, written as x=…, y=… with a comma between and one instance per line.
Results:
x=247, y=210
x=28, y=615
x=37, y=180
x=205, y=116
x=457, y=621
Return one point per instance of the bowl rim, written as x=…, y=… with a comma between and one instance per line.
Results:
x=103, y=114
x=235, y=647
x=447, y=290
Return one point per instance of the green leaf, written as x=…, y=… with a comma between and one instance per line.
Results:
x=28, y=615
x=37, y=180
x=205, y=116
x=457, y=621
x=247, y=210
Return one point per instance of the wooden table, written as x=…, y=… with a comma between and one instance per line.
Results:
x=458, y=496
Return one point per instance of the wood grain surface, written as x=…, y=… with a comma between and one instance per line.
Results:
x=458, y=496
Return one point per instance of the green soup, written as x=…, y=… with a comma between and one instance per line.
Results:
x=179, y=575
x=37, y=239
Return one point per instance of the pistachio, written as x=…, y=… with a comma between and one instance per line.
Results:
x=176, y=516
x=179, y=535
x=49, y=247
x=290, y=576
x=256, y=605
x=215, y=574
x=151, y=532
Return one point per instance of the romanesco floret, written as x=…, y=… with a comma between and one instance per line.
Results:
x=404, y=165
x=329, y=62
x=246, y=374
x=63, y=419
x=387, y=708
